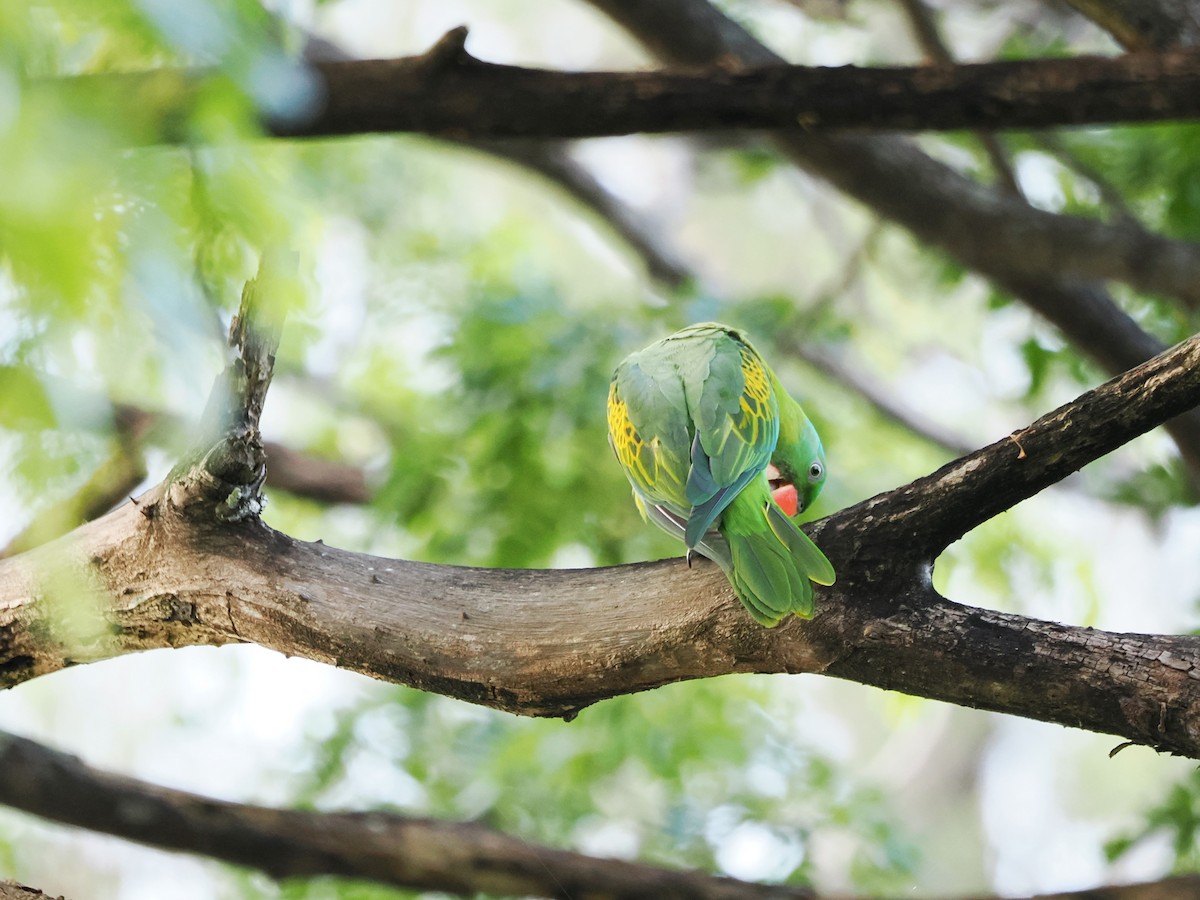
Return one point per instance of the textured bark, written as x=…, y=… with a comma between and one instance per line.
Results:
x=175, y=569
x=447, y=92
x=465, y=97
x=10, y=890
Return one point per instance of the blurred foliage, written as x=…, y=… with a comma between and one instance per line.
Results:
x=456, y=341
x=627, y=778
x=1175, y=818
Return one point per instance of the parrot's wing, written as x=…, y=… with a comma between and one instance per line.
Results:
x=648, y=430
x=736, y=417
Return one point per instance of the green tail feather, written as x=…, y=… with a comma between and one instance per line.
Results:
x=766, y=580
x=774, y=562
x=809, y=557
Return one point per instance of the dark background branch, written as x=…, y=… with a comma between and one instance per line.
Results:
x=290, y=470
x=1145, y=24
x=448, y=93
x=463, y=858
x=475, y=99
x=459, y=857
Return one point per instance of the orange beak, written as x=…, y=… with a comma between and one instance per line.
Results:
x=784, y=494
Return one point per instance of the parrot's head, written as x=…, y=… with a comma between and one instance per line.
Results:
x=798, y=460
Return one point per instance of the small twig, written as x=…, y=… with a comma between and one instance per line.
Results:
x=1051, y=143
x=885, y=403
x=929, y=37
x=450, y=49
x=552, y=160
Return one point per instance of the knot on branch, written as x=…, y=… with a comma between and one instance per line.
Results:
x=225, y=481
x=450, y=50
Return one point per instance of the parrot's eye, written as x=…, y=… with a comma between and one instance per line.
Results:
x=815, y=471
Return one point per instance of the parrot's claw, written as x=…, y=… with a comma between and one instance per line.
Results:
x=690, y=553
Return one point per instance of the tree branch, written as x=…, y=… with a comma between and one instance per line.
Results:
x=10, y=890
x=447, y=92
x=471, y=98
x=551, y=160
x=858, y=379
x=1145, y=24
x=224, y=475
x=457, y=857
x=314, y=477
x=925, y=30
x=460, y=857
x=514, y=640
x=937, y=510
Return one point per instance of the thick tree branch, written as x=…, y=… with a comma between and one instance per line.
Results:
x=158, y=575
x=459, y=857
x=10, y=890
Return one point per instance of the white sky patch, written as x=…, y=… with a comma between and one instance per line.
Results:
x=1039, y=176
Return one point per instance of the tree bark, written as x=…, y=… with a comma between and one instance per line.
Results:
x=1145, y=24
x=447, y=92
x=459, y=857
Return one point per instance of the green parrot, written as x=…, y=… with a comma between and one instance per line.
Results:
x=702, y=426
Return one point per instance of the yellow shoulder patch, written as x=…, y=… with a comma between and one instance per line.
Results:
x=626, y=441
x=647, y=462
x=756, y=396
